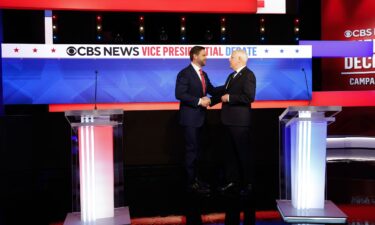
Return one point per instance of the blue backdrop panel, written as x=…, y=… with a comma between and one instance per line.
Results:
x=51, y=81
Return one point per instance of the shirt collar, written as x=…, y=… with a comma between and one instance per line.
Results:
x=239, y=69
x=196, y=68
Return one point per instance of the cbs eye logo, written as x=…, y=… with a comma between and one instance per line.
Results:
x=359, y=33
x=348, y=33
x=71, y=51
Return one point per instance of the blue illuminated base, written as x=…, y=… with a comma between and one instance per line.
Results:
x=122, y=217
x=330, y=214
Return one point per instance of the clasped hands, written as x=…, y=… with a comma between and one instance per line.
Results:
x=206, y=101
x=225, y=98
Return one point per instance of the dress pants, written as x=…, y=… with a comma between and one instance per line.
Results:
x=238, y=158
x=193, y=142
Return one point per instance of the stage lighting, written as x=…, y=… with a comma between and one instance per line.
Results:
x=141, y=28
x=208, y=35
x=223, y=29
x=163, y=35
x=183, y=29
x=99, y=27
x=296, y=29
x=54, y=28
x=262, y=29
x=222, y=26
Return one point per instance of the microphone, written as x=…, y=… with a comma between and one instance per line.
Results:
x=307, y=86
x=96, y=87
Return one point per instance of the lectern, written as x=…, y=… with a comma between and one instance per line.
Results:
x=303, y=134
x=97, y=168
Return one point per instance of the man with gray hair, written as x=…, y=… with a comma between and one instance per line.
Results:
x=236, y=117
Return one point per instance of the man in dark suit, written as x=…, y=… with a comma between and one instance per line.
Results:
x=192, y=86
x=236, y=117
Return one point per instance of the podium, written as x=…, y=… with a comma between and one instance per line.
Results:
x=303, y=134
x=97, y=168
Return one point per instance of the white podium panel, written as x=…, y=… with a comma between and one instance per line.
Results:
x=303, y=165
x=96, y=172
x=97, y=157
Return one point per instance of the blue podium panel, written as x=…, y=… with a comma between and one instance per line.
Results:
x=308, y=165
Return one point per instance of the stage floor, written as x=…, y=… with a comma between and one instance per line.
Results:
x=357, y=215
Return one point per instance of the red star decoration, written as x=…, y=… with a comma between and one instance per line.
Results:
x=53, y=50
x=16, y=50
x=35, y=50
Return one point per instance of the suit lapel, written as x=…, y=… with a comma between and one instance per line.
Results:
x=240, y=73
x=229, y=80
x=232, y=80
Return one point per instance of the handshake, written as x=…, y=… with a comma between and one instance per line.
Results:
x=206, y=101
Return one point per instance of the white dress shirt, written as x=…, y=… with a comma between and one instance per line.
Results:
x=197, y=68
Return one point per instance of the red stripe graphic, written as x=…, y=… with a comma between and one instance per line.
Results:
x=194, y=6
x=260, y=3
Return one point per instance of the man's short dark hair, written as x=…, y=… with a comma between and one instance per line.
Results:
x=195, y=51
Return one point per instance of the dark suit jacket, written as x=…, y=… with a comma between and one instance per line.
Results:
x=188, y=91
x=241, y=90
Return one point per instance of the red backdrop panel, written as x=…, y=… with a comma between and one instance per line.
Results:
x=348, y=20
x=207, y=6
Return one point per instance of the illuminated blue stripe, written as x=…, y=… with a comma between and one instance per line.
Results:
x=340, y=48
x=47, y=13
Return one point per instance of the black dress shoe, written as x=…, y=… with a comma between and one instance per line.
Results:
x=229, y=187
x=202, y=183
x=198, y=188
